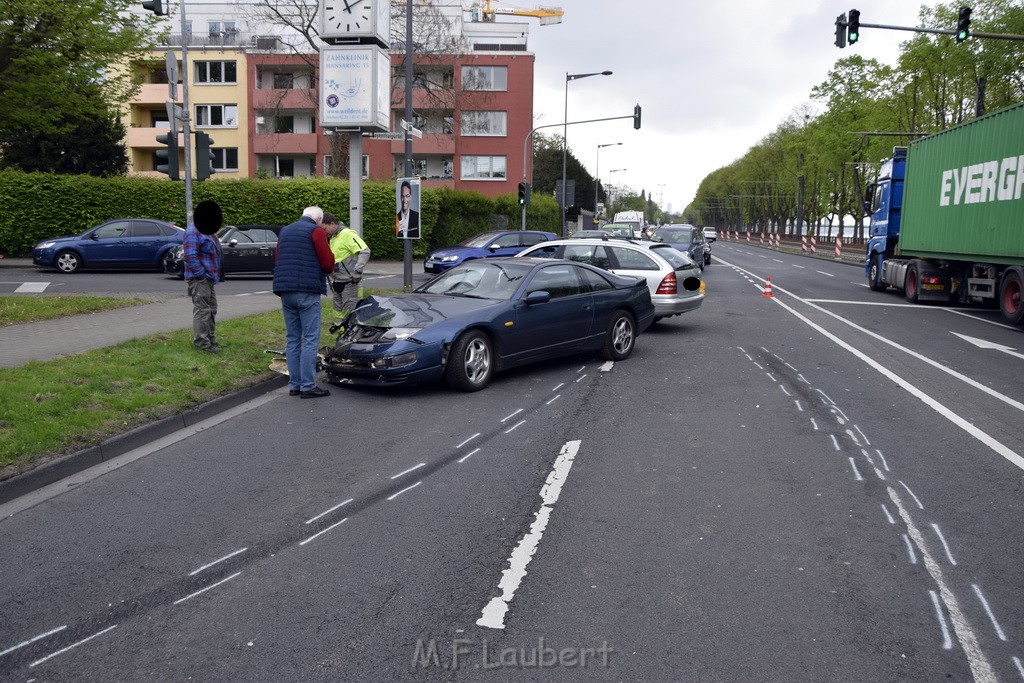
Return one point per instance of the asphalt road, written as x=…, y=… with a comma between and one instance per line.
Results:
x=819, y=485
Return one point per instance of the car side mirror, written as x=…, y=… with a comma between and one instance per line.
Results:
x=233, y=243
x=539, y=297
x=94, y=236
x=493, y=247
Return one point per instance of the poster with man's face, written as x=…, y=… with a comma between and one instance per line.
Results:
x=407, y=208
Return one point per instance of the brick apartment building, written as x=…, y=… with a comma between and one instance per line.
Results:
x=254, y=91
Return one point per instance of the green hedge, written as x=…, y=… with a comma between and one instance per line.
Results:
x=38, y=206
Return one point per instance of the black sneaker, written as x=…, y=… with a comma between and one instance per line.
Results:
x=315, y=392
x=294, y=392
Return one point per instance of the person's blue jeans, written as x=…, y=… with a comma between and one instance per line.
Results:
x=302, y=330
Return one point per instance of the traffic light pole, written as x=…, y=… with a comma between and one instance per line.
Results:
x=528, y=176
x=943, y=31
x=186, y=117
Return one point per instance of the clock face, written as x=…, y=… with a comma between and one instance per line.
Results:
x=343, y=17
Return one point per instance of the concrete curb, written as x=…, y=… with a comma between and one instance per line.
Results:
x=35, y=479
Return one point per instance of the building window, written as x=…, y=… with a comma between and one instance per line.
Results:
x=366, y=165
x=484, y=123
x=216, y=72
x=284, y=81
x=448, y=125
x=476, y=168
x=217, y=115
x=284, y=124
x=485, y=78
x=224, y=158
x=219, y=29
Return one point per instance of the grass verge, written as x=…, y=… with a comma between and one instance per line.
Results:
x=53, y=408
x=15, y=310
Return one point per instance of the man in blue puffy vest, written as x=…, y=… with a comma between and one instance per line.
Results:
x=304, y=259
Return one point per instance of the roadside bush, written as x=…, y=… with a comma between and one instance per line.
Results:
x=39, y=206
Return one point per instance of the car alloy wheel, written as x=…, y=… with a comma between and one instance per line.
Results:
x=470, y=362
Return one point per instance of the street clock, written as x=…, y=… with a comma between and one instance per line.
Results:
x=356, y=20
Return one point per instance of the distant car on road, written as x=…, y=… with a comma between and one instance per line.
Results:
x=488, y=315
x=246, y=248
x=128, y=243
x=710, y=234
x=491, y=244
x=672, y=277
x=632, y=230
x=686, y=238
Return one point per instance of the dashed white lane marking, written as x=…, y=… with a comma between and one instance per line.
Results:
x=494, y=612
x=988, y=611
x=466, y=456
x=32, y=640
x=468, y=440
x=72, y=646
x=945, y=546
x=547, y=403
x=329, y=511
x=407, y=488
x=920, y=506
x=513, y=427
x=32, y=288
x=509, y=417
x=324, y=531
x=203, y=590
x=979, y=664
x=947, y=642
x=411, y=469
x=217, y=561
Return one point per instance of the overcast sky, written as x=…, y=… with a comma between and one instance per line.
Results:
x=713, y=78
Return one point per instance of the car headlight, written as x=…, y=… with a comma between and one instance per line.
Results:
x=45, y=245
x=399, y=333
x=394, y=361
x=448, y=259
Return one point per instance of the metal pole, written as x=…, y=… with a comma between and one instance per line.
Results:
x=186, y=117
x=565, y=132
x=407, y=243
x=355, y=180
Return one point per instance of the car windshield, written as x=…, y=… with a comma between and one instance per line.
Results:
x=673, y=234
x=482, y=279
x=675, y=257
x=479, y=240
x=618, y=230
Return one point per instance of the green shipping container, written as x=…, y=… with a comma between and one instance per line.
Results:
x=964, y=192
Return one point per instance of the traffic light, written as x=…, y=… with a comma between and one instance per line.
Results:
x=841, y=30
x=636, y=117
x=963, y=24
x=524, y=193
x=853, y=27
x=168, y=155
x=155, y=6
x=204, y=156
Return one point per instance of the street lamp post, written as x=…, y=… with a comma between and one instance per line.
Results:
x=614, y=170
x=597, y=173
x=565, y=131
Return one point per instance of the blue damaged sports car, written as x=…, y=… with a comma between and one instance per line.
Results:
x=489, y=315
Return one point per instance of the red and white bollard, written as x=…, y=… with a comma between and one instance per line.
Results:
x=839, y=246
x=803, y=244
x=814, y=244
x=777, y=240
x=762, y=237
x=748, y=237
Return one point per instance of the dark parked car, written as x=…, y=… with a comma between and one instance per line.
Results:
x=487, y=315
x=494, y=243
x=686, y=238
x=121, y=243
x=247, y=249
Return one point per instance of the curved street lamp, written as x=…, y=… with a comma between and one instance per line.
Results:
x=597, y=173
x=565, y=130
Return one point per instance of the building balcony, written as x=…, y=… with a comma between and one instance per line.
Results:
x=151, y=93
x=146, y=137
x=285, y=143
x=274, y=99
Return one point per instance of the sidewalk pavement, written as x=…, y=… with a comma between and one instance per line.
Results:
x=49, y=339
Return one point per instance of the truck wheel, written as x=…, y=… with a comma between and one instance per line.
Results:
x=913, y=283
x=1010, y=301
x=875, y=274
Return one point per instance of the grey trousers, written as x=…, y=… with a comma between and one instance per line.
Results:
x=204, y=312
x=345, y=301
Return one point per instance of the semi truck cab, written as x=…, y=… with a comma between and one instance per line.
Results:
x=884, y=200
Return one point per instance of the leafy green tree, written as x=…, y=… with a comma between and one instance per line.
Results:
x=58, y=67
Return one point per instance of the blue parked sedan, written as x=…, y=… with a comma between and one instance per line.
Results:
x=489, y=315
x=494, y=243
x=120, y=243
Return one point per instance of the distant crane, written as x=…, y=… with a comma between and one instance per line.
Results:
x=484, y=12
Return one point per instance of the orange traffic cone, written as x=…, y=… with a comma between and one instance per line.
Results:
x=768, y=287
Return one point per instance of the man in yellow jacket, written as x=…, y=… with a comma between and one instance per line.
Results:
x=350, y=258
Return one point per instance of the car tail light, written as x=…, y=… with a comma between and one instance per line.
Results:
x=668, y=285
